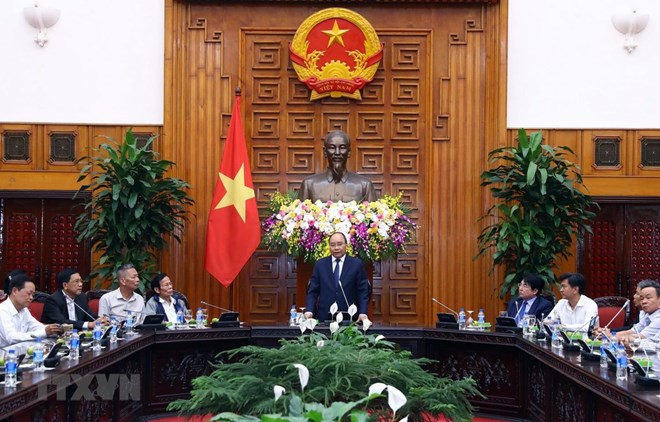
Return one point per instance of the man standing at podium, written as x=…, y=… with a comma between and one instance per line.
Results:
x=337, y=278
x=337, y=183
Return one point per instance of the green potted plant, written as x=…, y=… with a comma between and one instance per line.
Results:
x=540, y=209
x=336, y=376
x=132, y=208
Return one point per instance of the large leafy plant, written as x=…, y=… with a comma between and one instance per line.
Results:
x=133, y=206
x=343, y=367
x=540, y=209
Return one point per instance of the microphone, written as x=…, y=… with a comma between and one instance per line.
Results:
x=341, y=286
x=84, y=311
x=540, y=334
x=569, y=345
x=625, y=305
x=518, y=309
x=216, y=307
x=446, y=307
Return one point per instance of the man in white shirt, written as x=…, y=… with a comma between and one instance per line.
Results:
x=649, y=322
x=575, y=310
x=16, y=322
x=118, y=302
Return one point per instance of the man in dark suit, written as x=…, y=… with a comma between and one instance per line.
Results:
x=337, y=278
x=60, y=307
x=529, y=301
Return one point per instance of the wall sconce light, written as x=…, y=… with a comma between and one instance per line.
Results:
x=630, y=24
x=41, y=18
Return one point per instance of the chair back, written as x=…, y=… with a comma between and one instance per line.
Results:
x=178, y=295
x=608, y=307
x=93, y=297
x=36, y=308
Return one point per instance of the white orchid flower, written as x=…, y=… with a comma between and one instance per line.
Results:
x=303, y=374
x=278, y=390
x=302, y=326
x=404, y=419
x=352, y=310
x=334, y=326
x=395, y=399
x=311, y=323
x=366, y=323
x=320, y=344
x=339, y=318
x=377, y=388
x=334, y=308
x=379, y=337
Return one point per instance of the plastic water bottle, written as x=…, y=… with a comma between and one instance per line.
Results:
x=129, y=323
x=481, y=319
x=200, y=318
x=38, y=357
x=96, y=339
x=179, y=319
x=556, y=338
x=11, y=366
x=74, y=348
x=293, y=316
x=603, y=356
x=622, y=364
x=461, y=319
x=113, y=330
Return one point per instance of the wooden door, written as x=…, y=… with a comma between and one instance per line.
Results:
x=623, y=249
x=37, y=235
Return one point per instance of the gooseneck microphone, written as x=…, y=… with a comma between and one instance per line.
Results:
x=625, y=305
x=445, y=306
x=84, y=311
x=216, y=307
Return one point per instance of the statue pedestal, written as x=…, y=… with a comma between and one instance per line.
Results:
x=304, y=272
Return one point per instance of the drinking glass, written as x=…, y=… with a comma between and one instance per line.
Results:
x=634, y=341
x=301, y=315
x=503, y=314
x=531, y=322
x=188, y=316
x=469, y=320
x=205, y=312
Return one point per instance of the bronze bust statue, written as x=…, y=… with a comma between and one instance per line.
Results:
x=337, y=183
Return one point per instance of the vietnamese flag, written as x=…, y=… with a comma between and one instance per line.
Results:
x=234, y=231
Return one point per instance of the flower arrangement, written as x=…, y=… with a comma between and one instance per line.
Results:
x=375, y=230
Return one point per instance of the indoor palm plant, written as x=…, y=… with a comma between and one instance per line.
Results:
x=539, y=210
x=132, y=207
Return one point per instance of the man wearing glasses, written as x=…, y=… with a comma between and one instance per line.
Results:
x=68, y=305
x=529, y=301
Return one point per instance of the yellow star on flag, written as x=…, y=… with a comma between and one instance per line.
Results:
x=237, y=192
x=335, y=34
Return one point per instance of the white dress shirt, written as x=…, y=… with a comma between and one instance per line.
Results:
x=575, y=319
x=169, y=309
x=113, y=304
x=17, y=326
x=648, y=325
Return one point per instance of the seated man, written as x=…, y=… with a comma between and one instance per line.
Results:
x=67, y=305
x=574, y=311
x=649, y=323
x=528, y=301
x=16, y=322
x=118, y=302
x=162, y=302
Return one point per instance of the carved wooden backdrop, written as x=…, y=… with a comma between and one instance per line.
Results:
x=418, y=130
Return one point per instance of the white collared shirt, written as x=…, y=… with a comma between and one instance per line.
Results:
x=71, y=309
x=168, y=307
x=17, y=326
x=114, y=304
x=575, y=319
x=649, y=324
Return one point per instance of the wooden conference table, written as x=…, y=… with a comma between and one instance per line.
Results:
x=141, y=376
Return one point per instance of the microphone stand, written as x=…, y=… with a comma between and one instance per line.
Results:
x=216, y=307
x=446, y=307
x=617, y=314
x=84, y=311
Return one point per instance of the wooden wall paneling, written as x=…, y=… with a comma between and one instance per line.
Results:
x=646, y=153
x=19, y=144
x=605, y=152
x=62, y=145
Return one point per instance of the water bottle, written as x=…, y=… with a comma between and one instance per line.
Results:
x=293, y=316
x=461, y=319
x=621, y=364
x=97, y=334
x=603, y=356
x=11, y=365
x=556, y=338
x=38, y=357
x=200, y=318
x=129, y=323
x=74, y=348
x=481, y=319
x=113, y=330
x=179, y=319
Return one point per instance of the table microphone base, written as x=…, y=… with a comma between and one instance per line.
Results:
x=647, y=381
x=570, y=347
x=590, y=356
x=225, y=324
